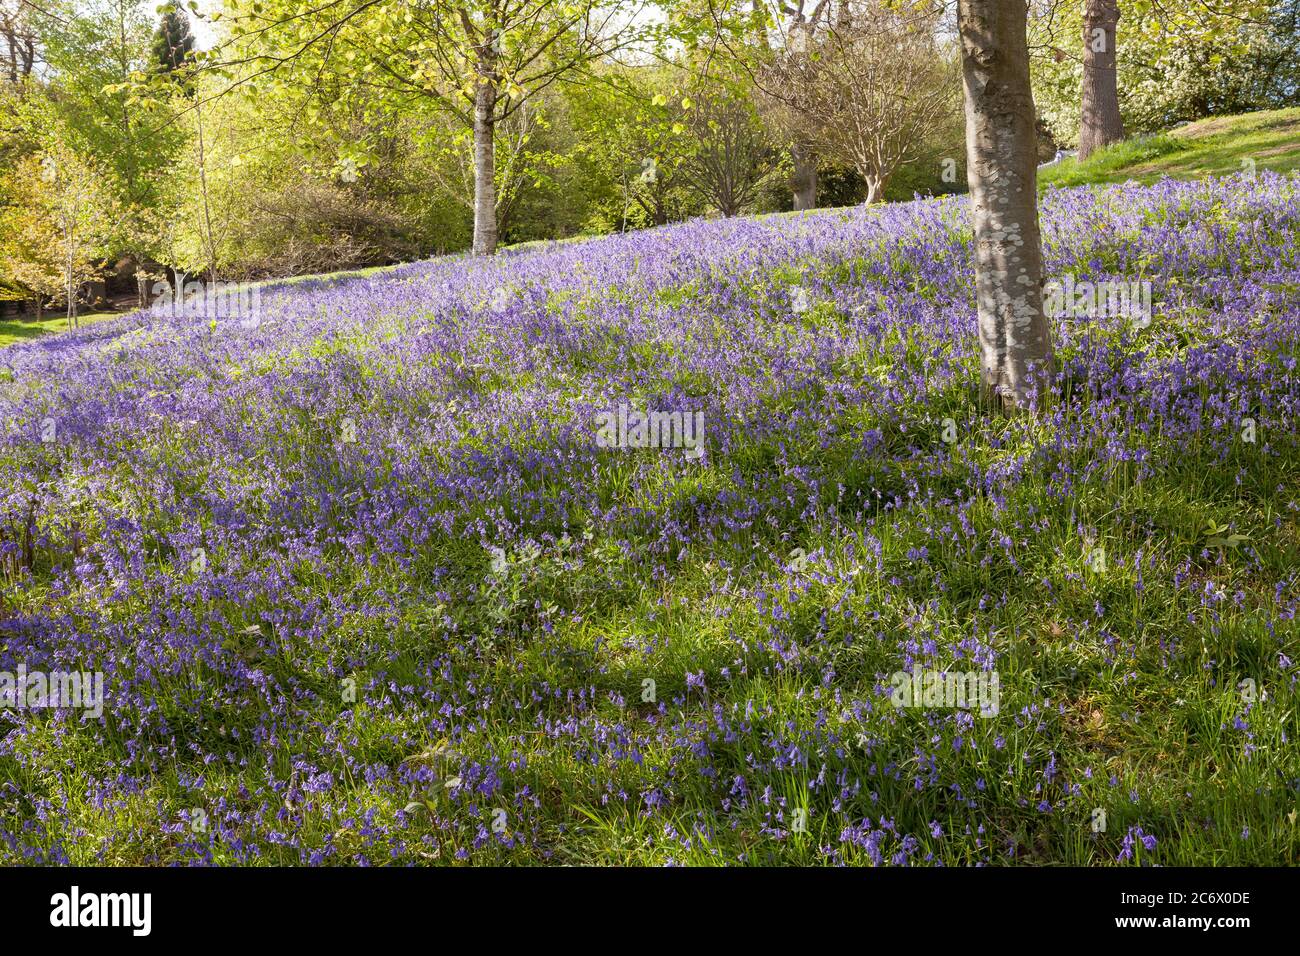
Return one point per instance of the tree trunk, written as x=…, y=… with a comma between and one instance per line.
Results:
x=485, y=192
x=803, y=179
x=1001, y=169
x=71, y=293
x=203, y=187
x=875, y=189
x=1101, y=122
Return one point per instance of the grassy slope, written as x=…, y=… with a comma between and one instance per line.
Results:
x=18, y=330
x=1219, y=146
x=1144, y=735
x=1212, y=147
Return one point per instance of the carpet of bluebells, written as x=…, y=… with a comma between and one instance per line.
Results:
x=365, y=589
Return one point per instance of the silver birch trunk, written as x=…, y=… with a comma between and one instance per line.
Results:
x=1001, y=163
x=485, y=193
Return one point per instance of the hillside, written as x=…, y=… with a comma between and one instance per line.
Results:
x=1214, y=147
x=18, y=330
x=369, y=584
x=1219, y=146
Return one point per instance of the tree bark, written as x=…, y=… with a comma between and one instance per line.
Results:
x=803, y=179
x=71, y=291
x=485, y=193
x=1001, y=169
x=875, y=189
x=1101, y=123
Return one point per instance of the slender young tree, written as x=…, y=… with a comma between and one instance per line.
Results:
x=478, y=61
x=1001, y=163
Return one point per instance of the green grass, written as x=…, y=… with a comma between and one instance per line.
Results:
x=20, y=330
x=345, y=274
x=1218, y=146
x=1137, y=712
x=1128, y=690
